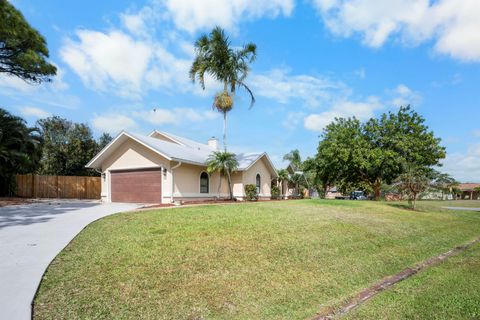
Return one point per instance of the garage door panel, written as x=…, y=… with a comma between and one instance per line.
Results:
x=142, y=186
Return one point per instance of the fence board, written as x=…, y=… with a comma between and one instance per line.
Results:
x=65, y=187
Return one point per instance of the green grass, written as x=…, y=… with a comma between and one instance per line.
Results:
x=269, y=260
x=448, y=291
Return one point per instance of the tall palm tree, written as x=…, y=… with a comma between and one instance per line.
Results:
x=283, y=177
x=225, y=163
x=294, y=158
x=216, y=57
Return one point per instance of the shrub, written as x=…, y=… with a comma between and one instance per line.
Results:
x=275, y=192
x=301, y=192
x=251, y=192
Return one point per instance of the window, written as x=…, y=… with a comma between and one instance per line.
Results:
x=257, y=183
x=204, y=182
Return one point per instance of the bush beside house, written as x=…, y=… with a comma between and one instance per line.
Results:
x=251, y=192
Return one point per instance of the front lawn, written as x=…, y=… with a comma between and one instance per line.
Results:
x=448, y=291
x=269, y=260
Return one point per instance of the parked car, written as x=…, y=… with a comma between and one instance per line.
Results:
x=358, y=195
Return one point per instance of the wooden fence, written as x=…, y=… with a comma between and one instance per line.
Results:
x=35, y=186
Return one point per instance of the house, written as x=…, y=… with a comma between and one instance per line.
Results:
x=468, y=191
x=164, y=168
x=289, y=188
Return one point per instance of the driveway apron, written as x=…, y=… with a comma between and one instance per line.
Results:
x=31, y=235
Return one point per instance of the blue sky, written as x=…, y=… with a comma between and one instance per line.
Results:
x=317, y=59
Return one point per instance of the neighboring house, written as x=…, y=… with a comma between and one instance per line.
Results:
x=163, y=168
x=333, y=193
x=290, y=190
x=468, y=191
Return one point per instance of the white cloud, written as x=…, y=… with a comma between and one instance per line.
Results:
x=203, y=15
x=113, y=123
x=9, y=83
x=362, y=110
x=293, y=119
x=403, y=96
x=476, y=134
x=139, y=23
x=34, y=112
x=464, y=167
x=128, y=66
x=175, y=115
x=283, y=87
x=453, y=25
x=101, y=59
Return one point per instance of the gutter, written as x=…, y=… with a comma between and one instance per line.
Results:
x=173, y=183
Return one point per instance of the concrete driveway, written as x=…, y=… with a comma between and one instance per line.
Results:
x=31, y=235
x=463, y=208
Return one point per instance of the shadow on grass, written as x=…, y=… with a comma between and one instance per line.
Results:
x=338, y=203
x=403, y=206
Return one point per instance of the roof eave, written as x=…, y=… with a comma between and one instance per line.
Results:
x=98, y=157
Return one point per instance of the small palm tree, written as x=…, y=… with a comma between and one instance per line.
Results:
x=283, y=176
x=225, y=163
x=230, y=66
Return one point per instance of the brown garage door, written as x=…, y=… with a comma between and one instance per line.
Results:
x=141, y=186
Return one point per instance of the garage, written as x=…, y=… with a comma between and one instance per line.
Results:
x=137, y=186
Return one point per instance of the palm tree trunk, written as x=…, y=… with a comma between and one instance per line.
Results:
x=230, y=185
x=225, y=86
x=225, y=131
x=219, y=183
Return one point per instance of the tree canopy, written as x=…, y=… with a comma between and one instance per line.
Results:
x=23, y=50
x=67, y=147
x=377, y=151
x=20, y=148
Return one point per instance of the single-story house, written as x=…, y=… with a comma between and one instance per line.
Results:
x=468, y=191
x=289, y=189
x=164, y=168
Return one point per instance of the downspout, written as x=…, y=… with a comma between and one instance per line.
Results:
x=173, y=184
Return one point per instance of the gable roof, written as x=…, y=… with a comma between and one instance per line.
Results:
x=180, y=149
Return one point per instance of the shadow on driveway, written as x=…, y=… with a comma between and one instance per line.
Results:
x=39, y=212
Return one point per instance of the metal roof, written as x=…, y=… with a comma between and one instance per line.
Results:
x=185, y=150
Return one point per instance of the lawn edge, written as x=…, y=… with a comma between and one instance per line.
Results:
x=388, y=282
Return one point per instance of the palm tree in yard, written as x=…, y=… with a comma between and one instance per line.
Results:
x=230, y=66
x=283, y=176
x=225, y=163
x=294, y=158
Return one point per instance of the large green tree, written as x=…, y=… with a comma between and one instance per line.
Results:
x=20, y=148
x=379, y=150
x=321, y=173
x=67, y=147
x=23, y=50
x=216, y=57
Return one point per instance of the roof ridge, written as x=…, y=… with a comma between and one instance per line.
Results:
x=186, y=140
